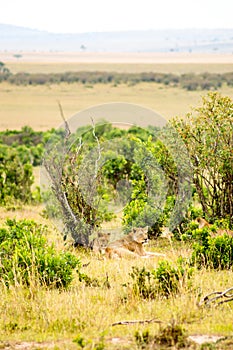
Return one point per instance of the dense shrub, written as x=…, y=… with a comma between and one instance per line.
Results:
x=207, y=135
x=165, y=281
x=212, y=252
x=27, y=143
x=4, y=72
x=26, y=136
x=156, y=185
x=16, y=177
x=190, y=81
x=26, y=257
x=20, y=150
x=171, y=279
x=89, y=203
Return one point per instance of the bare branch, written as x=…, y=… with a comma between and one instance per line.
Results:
x=69, y=208
x=98, y=147
x=217, y=295
x=68, y=132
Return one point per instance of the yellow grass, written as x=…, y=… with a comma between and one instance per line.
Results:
x=37, y=106
x=61, y=316
x=54, y=62
x=40, y=318
x=176, y=68
x=54, y=318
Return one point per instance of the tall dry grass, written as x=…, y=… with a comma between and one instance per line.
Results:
x=41, y=314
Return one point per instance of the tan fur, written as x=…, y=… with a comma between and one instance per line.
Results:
x=203, y=223
x=130, y=246
x=100, y=242
x=166, y=233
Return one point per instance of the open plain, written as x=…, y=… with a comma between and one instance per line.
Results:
x=37, y=106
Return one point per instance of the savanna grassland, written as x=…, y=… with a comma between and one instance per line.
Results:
x=37, y=106
x=83, y=316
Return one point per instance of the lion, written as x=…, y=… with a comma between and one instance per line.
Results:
x=130, y=245
x=99, y=244
x=219, y=232
x=202, y=223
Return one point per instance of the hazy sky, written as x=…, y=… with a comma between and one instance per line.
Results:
x=107, y=15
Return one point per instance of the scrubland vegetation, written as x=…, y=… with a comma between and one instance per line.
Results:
x=187, y=81
x=63, y=297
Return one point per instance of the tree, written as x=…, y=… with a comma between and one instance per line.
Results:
x=72, y=164
x=99, y=169
x=208, y=135
x=4, y=72
x=161, y=182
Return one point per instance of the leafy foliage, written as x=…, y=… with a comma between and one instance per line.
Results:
x=27, y=143
x=4, y=72
x=135, y=170
x=165, y=281
x=27, y=258
x=16, y=178
x=90, y=180
x=212, y=252
x=188, y=81
x=160, y=191
x=207, y=134
x=172, y=279
x=20, y=150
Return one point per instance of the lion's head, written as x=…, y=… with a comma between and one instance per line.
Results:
x=139, y=235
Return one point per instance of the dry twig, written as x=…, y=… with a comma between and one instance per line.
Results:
x=68, y=132
x=98, y=147
x=217, y=295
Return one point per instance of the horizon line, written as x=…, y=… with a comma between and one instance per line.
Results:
x=116, y=30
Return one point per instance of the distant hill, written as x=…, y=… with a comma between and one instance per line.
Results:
x=182, y=40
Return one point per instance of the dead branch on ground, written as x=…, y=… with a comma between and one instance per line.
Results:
x=214, y=296
x=126, y=323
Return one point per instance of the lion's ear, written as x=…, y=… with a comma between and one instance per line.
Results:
x=134, y=230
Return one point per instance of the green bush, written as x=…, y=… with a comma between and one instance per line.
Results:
x=190, y=81
x=171, y=279
x=207, y=134
x=26, y=257
x=16, y=178
x=212, y=252
x=143, y=283
x=27, y=143
x=164, y=281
